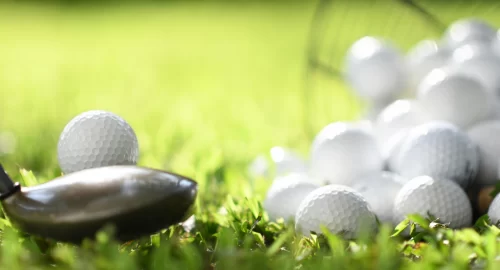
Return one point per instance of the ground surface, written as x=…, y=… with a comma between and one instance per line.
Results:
x=206, y=87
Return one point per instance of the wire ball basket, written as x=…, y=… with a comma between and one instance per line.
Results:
x=336, y=25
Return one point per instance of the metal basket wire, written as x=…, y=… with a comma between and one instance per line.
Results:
x=337, y=24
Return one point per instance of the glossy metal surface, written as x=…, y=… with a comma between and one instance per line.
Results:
x=137, y=201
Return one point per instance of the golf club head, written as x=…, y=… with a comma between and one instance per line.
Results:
x=137, y=201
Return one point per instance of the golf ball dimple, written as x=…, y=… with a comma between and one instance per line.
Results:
x=285, y=195
x=441, y=198
x=96, y=139
x=440, y=150
x=444, y=95
x=468, y=30
x=340, y=209
x=373, y=185
x=484, y=135
x=342, y=152
x=375, y=69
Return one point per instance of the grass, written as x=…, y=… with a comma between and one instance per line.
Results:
x=207, y=87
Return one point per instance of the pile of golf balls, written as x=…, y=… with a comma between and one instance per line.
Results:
x=95, y=139
x=431, y=148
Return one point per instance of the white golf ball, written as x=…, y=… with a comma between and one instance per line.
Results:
x=333, y=128
x=439, y=150
x=423, y=58
x=282, y=161
x=392, y=148
x=399, y=115
x=441, y=198
x=285, y=195
x=342, y=152
x=374, y=108
x=495, y=109
x=8, y=143
x=375, y=69
x=468, y=30
x=496, y=44
x=444, y=95
x=494, y=210
x=96, y=139
x=485, y=136
x=478, y=61
x=340, y=209
x=373, y=185
x=287, y=161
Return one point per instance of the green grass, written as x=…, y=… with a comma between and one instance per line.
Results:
x=207, y=87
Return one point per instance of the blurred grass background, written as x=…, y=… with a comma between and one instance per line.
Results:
x=207, y=85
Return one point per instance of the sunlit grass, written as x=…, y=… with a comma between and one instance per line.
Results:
x=206, y=87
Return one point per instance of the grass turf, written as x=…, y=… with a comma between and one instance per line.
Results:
x=207, y=87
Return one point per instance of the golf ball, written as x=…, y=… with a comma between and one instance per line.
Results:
x=494, y=210
x=400, y=115
x=496, y=44
x=282, y=161
x=392, y=148
x=444, y=95
x=423, y=58
x=375, y=69
x=96, y=139
x=478, y=61
x=468, y=30
x=484, y=135
x=341, y=209
x=342, y=152
x=333, y=128
x=441, y=198
x=373, y=185
x=439, y=150
x=7, y=143
x=285, y=195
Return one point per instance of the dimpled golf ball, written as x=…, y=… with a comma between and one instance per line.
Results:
x=423, y=58
x=444, y=95
x=96, y=139
x=478, y=61
x=285, y=195
x=441, y=198
x=485, y=136
x=468, y=30
x=440, y=150
x=341, y=209
x=373, y=185
x=342, y=152
x=375, y=69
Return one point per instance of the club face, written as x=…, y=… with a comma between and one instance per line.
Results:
x=136, y=201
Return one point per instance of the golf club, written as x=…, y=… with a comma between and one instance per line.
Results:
x=137, y=201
